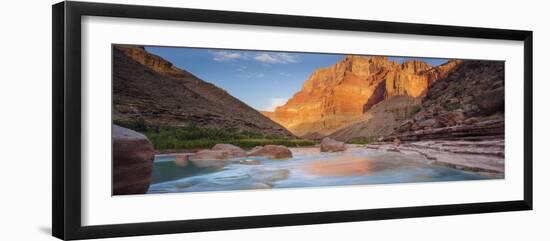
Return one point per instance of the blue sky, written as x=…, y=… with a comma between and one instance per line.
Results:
x=261, y=79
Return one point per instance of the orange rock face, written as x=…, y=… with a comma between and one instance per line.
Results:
x=338, y=95
x=152, y=61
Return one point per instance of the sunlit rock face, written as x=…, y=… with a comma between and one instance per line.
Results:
x=149, y=88
x=336, y=96
x=151, y=61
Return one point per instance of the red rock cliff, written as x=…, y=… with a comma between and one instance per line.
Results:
x=338, y=95
x=151, y=61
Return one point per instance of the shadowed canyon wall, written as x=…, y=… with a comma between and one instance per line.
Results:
x=150, y=90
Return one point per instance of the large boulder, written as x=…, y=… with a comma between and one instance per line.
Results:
x=330, y=145
x=215, y=158
x=271, y=151
x=210, y=158
x=133, y=156
x=233, y=151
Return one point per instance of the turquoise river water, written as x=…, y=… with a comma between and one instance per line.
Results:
x=307, y=168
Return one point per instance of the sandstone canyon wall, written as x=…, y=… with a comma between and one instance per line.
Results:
x=467, y=104
x=147, y=87
x=339, y=95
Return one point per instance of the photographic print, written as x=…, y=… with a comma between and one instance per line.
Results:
x=308, y=119
x=199, y=119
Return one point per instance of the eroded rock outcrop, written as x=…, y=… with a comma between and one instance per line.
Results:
x=217, y=156
x=338, y=95
x=209, y=158
x=486, y=157
x=380, y=120
x=460, y=123
x=468, y=103
x=330, y=145
x=271, y=151
x=133, y=156
x=234, y=151
x=151, y=61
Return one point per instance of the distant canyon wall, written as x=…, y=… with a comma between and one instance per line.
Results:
x=339, y=95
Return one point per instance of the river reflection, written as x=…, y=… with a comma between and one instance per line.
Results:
x=307, y=168
x=339, y=166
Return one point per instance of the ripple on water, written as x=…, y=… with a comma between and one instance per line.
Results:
x=307, y=168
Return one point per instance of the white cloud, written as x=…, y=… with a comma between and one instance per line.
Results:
x=266, y=58
x=263, y=57
x=276, y=102
x=227, y=55
x=289, y=58
x=276, y=58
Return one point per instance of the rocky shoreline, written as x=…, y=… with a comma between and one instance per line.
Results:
x=134, y=156
x=483, y=130
x=483, y=157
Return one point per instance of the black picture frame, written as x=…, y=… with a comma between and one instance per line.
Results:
x=66, y=47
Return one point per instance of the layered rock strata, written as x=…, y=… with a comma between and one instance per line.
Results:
x=150, y=91
x=467, y=104
x=485, y=157
x=338, y=95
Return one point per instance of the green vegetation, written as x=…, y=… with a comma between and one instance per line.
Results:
x=192, y=137
x=134, y=123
